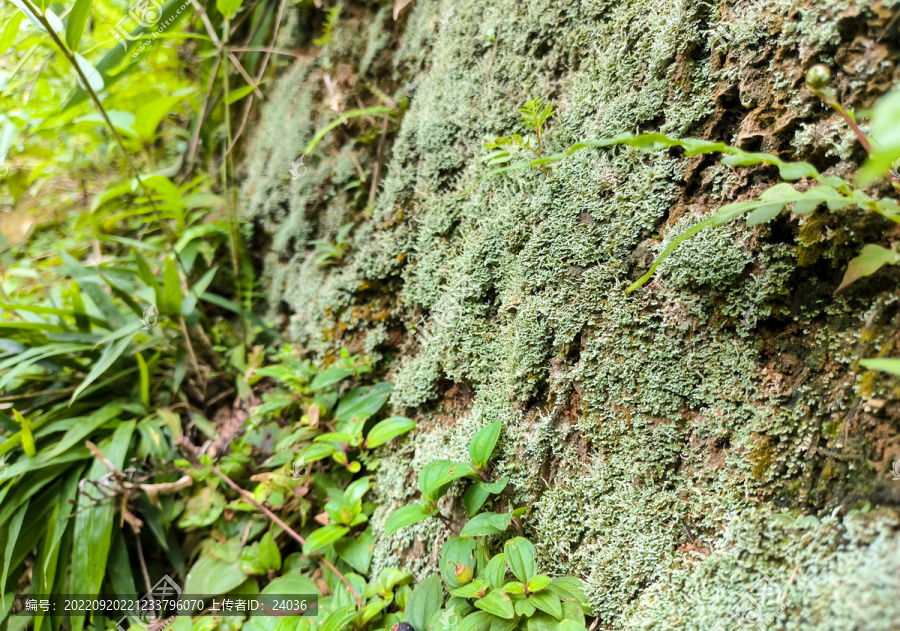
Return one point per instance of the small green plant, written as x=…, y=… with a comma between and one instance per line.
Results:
x=534, y=115
x=481, y=596
x=328, y=253
x=328, y=27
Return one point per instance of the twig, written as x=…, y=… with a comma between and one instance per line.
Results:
x=237, y=64
x=209, y=29
x=373, y=189
x=277, y=51
x=194, y=145
x=248, y=497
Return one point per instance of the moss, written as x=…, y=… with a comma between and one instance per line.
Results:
x=652, y=434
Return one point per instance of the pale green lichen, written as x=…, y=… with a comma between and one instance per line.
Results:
x=651, y=433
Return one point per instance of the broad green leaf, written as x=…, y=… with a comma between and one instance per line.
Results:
x=387, y=429
x=887, y=365
x=764, y=213
x=520, y=557
x=457, y=550
x=363, y=403
x=149, y=116
x=427, y=598
x=269, y=554
x=513, y=587
x=357, y=552
x=330, y=377
x=498, y=624
x=212, y=575
x=476, y=621
x=498, y=604
x=486, y=524
x=538, y=582
x=525, y=608
x=545, y=622
x=436, y=476
x=314, y=452
x=469, y=589
x=495, y=572
x=478, y=492
x=548, y=602
x=406, y=516
x=483, y=444
x=324, y=536
x=78, y=17
x=291, y=584
x=870, y=260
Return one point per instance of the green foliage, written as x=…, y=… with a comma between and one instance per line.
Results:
x=328, y=27
x=481, y=597
x=329, y=254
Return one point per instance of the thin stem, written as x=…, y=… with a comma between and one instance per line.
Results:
x=831, y=102
x=248, y=497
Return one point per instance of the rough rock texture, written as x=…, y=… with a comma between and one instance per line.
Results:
x=677, y=444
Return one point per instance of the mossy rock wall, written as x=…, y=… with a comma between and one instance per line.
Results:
x=676, y=444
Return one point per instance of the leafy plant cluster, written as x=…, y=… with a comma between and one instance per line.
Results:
x=482, y=598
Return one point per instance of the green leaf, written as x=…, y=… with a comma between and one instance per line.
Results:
x=228, y=7
x=469, y=589
x=548, y=602
x=10, y=31
x=538, y=582
x=212, y=575
x=495, y=572
x=764, y=213
x=545, y=622
x=357, y=552
x=78, y=17
x=340, y=120
x=329, y=378
x=486, y=524
x=891, y=366
x=388, y=429
x=236, y=95
x=363, y=403
x=269, y=554
x=324, y=536
x=111, y=352
x=27, y=440
x=870, y=260
x=525, y=608
x=94, y=523
x=12, y=536
x=514, y=587
x=149, y=116
x=483, y=444
x=476, y=621
x=406, y=516
x=436, y=476
x=291, y=584
x=172, y=293
x=427, y=598
x=498, y=604
x=456, y=550
x=520, y=558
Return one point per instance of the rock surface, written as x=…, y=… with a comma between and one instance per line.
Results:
x=697, y=451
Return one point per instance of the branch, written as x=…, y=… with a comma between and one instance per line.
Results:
x=248, y=497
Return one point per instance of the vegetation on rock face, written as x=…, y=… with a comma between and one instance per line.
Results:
x=595, y=378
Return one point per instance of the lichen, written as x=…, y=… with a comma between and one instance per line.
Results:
x=652, y=434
